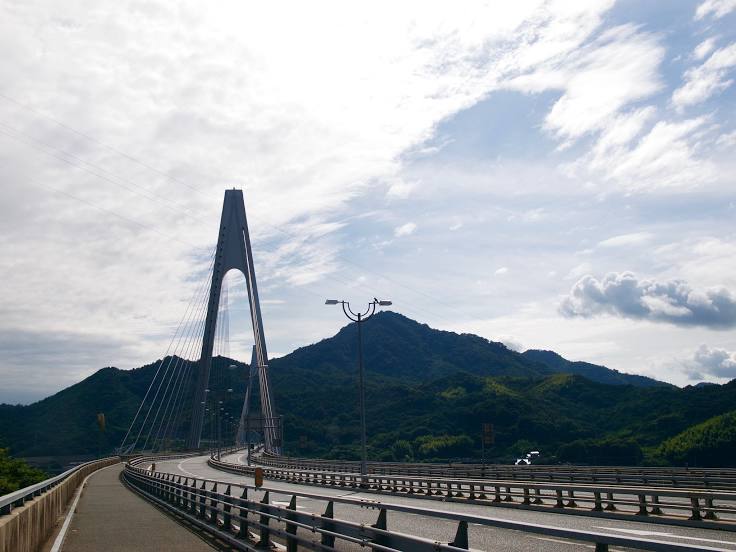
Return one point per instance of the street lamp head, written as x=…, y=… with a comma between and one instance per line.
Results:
x=331, y=302
x=385, y=303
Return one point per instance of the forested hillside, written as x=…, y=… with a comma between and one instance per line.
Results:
x=428, y=392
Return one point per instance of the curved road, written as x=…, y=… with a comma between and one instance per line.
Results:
x=481, y=538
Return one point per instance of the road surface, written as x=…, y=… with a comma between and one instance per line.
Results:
x=481, y=538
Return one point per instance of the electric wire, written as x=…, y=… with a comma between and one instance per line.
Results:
x=198, y=294
x=125, y=438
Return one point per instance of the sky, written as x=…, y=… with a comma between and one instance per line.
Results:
x=549, y=174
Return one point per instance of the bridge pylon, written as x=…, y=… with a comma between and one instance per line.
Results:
x=233, y=252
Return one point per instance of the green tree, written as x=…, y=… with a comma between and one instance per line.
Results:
x=16, y=474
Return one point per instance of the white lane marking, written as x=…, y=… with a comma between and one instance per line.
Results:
x=70, y=514
x=565, y=542
x=187, y=471
x=643, y=533
x=279, y=503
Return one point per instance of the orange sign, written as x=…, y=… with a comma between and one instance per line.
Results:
x=259, y=477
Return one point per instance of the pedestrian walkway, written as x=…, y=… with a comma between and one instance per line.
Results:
x=112, y=518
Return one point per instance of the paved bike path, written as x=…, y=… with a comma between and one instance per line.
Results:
x=111, y=517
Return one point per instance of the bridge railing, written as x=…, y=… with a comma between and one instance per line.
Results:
x=715, y=478
x=231, y=513
x=694, y=507
x=28, y=515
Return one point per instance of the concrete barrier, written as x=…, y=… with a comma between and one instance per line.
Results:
x=27, y=527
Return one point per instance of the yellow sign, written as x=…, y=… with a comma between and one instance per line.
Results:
x=101, y=421
x=259, y=477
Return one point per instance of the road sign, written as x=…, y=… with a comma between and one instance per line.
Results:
x=259, y=477
x=488, y=435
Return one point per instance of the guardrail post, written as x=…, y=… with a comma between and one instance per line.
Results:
x=597, y=500
x=291, y=542
x=213, y=504
x=497, y=498
x=226, y=517
x=461, y=536
x=177, y=491
x=328, y=540
x=508, y=495
x=655, y=510
x=709, y=509
x=611, y=506
x=193, y=496
x=265, y=540
x=243, y=531
x=560, y=503
x=526, y=500
x=381, y=523
x=642, y=505
x=571, y=503
x=695, y=509
x=202, y=500
x=185, y=494
x=538, y=496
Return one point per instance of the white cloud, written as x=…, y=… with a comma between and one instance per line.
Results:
x=635, y=238
x=716, y=8
x=306, y=113
x=704, y=48
x=405, y=229
x=501, y=271
x=707, y=79
x=616, y=69
x=665, y=157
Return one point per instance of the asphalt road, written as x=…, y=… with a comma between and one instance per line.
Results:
x=481, y=538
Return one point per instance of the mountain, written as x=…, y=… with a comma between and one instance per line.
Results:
x=593, y=372
x=428, y=392
x=398, y=347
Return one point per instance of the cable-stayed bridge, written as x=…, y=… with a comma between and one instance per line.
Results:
x=201, y=466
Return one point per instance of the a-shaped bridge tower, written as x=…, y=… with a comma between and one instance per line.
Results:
x=234, y=252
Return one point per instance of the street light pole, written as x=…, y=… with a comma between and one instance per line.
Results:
x=359, y=318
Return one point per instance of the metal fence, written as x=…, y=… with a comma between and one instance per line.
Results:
x=713, y=478
x=697, y=507
x=231, y=513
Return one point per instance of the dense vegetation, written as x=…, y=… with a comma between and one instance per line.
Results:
x=428, y=392
x=16, y=474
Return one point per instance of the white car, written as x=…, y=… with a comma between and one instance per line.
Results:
x=527, y=459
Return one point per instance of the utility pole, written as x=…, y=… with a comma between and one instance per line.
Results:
x=359, y=318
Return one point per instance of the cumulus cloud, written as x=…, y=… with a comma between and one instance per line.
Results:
x=711, y=361
x=674, y=301
x=707, y=79
x=405, y=229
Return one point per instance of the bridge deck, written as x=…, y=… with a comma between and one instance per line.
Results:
x=112, y=518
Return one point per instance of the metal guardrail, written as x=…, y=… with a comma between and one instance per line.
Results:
x=21, y=496
x=706, y=478
x=247, y=524
x=686, y=507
